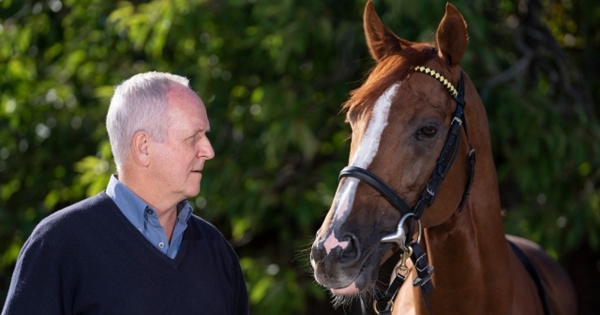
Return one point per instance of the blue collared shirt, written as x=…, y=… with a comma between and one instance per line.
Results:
x=145, y=219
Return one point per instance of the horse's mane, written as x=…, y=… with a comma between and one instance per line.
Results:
x=391, y=69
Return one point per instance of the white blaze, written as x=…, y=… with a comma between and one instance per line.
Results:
x=379, y=118
x=369, y=145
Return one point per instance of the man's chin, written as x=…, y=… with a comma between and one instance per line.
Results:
x=192, y=191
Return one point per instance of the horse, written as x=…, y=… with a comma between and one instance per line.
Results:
x=413, y=184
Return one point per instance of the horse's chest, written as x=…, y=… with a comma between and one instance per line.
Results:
x=404, y=304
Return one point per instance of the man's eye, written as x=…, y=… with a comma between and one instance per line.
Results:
x=193, y=139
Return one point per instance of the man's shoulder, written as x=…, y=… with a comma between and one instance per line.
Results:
x=207, y=228
x=202, y=229
x=76, y=214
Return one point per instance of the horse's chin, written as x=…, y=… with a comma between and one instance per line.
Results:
x=349, y=290
x=367, y=276
x=364, y=282
x=348, y=300
x=346, y=296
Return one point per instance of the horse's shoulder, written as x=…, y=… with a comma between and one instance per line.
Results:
x=556, y=281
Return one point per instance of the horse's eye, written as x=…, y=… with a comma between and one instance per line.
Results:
x=427, y=131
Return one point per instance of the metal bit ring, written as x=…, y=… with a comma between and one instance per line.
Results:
x=399, y=237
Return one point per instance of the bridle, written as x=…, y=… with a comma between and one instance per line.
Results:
x=442, y=166
x=410, y=248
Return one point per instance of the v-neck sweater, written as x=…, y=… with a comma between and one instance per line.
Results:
x=89, y=259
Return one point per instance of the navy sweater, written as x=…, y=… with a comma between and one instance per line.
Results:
x=88, y=259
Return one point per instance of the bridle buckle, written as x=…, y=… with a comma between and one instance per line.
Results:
x=457, y=120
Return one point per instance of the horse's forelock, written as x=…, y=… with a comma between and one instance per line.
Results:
x=388, y=71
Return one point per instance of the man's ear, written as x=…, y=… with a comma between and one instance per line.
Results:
x=140, y=151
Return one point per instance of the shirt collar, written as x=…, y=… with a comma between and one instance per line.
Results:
x=184, y=210
x=133, y=207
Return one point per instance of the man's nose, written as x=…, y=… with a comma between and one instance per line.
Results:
x=206, y=150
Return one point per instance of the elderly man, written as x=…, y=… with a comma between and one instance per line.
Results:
x=136, y=248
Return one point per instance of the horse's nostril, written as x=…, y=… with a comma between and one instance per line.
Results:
x=351, y=252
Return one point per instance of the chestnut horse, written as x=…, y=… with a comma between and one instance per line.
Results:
x=410, y=137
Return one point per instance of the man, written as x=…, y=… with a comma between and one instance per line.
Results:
x=136, y=248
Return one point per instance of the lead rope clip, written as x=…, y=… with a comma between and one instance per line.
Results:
x=402, y=273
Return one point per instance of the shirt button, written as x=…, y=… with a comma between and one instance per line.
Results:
x=161, y=245
x=149, y=211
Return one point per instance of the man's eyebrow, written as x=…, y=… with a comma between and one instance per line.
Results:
x=200, y=130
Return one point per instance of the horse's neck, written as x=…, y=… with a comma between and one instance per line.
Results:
x=469, y=253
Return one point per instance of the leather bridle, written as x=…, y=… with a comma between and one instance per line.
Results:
x=443, y=164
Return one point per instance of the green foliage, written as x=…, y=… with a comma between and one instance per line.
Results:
x=273, y=75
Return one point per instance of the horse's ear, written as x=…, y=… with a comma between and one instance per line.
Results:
x=451, y=36
x=381, y=40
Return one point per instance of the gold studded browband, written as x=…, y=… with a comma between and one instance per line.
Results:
x=438, y=77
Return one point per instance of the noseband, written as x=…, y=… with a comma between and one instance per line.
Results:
x=443, y=164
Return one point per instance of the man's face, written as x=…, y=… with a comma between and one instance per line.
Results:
x=178, y=162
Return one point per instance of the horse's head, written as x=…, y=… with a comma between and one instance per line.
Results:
x=400, y=121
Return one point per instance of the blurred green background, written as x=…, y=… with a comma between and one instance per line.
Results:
x=273, y=75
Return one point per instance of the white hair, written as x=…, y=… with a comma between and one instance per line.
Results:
x=139, y=104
